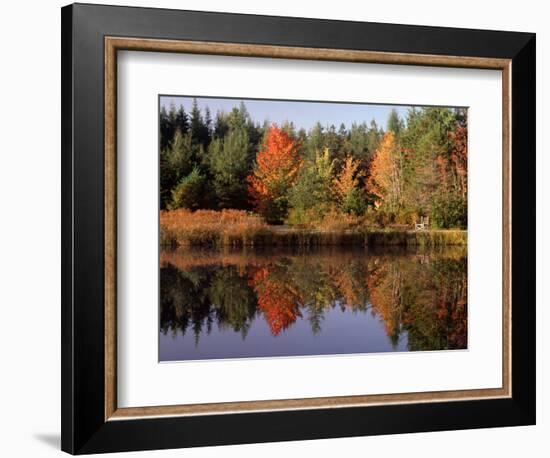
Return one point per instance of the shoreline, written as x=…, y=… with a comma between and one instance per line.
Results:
x=274, y=236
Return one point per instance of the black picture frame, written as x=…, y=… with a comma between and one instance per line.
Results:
x=84, y=429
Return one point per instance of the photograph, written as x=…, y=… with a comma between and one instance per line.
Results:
x=294, y=228
x=278, y=227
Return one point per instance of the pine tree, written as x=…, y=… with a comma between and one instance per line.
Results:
x=229, y=166
x=188, y=192
x=176, y=161
x=220, y=125
x=208, y=121
x=395, y=123
x=181, y=120
x=315, y=141
x=357, y=143
x=199, y=130
x=165, y=128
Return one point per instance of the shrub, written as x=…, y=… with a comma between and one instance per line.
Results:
x=408, y=217
x=370, y=217
x=449, y=210
x=188, y=192
x=354, y=203
x=382, y=217
x=335, y=220
x=208, y=227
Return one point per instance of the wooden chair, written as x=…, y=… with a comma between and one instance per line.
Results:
x=423, y=225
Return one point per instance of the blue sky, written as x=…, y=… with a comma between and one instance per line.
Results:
x=302, y=114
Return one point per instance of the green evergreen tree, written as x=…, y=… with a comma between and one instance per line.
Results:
x=357, y=143
x=332, y=141
x=315, y=141
x=220, y=125
x=208, y=121
x=374, y=135
x=181, y=120
x=429, y=181
x=176, y=161
x=395, y=123
x=188, y=192
x=165, y=128
x=229, y=164
x=199, y=129
x=290, y=129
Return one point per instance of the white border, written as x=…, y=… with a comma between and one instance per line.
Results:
x=142, y=381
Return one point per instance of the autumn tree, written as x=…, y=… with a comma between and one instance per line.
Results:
x=348, y=193
x=386, y=174
x=417, y=167
x=312, y=194
x=276, y=170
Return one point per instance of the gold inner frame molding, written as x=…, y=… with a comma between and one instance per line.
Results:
x=114, y=44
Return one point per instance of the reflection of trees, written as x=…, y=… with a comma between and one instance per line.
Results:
x=426, y=298
x=418, y=296
x=385, y=283
x=194, y=299
x=233, y=301
x=277, y=299
x=436, y=315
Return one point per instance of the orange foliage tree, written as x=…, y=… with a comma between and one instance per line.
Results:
x=278, y=302
x=276, y=170
x=386, y=174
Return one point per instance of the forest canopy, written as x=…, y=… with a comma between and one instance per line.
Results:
x=412, y=167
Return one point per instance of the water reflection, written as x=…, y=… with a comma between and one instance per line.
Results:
x=322, y=301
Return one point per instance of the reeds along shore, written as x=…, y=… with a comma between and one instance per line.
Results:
x=237, y=228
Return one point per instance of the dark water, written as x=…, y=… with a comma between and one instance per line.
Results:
x=333, y=300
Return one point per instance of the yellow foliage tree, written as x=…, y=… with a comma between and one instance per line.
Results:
x=386, y=177
x=346, y=186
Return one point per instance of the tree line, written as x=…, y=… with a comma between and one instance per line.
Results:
x=413, y=167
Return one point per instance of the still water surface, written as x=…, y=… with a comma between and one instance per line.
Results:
x=332, y=300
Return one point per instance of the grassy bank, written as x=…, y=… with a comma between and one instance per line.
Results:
x=236, y=228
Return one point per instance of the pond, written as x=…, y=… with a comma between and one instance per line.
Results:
x=319, y=301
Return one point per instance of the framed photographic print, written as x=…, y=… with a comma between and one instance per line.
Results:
x=283, y=228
